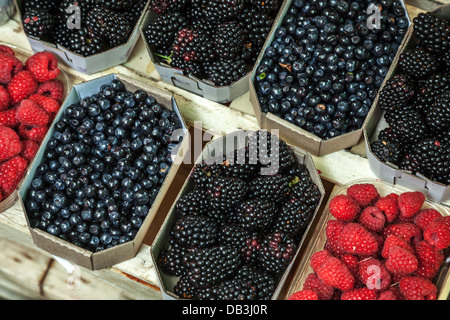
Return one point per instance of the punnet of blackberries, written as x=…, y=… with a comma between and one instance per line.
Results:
x=102, y=168
x=84, y=27
x=327, y=61
x=236, y=227
x=216, y=41
x=416, y=104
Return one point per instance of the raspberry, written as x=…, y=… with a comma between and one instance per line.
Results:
x=403, y=230
x=30, y=148
x=425, y=216
x=401, y=261
x=318, y=259
x=47, y=103
x=351, y=262
x=437, y=233
x=10, y=144
x=410, y=203
x=43, y=66
x=22, y=86
x=8, y=118
x=312, y=282
x=364, y=194
x=355, y=239
x=333, y=231
x=29, y=113
x=33, y=133
x=359, y=294
x=7, y=50
x=344, y=208
x=5, y=99
x=372, y=218
x=392, y=241
x=389, y=294
x=430, y=260
x=9, y=66
x=389, y=206
x=11, y=172
x=417, y=288
x=52, y=88
x=335, y=273
x=304, y=295
x=374, y=274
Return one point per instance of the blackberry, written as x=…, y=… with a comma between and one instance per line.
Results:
x=266, y=5
x=84, y=43
x=203, y=174
x=432, y=31
x=134, y=13
x=109, y=25
x=195, y=231
x=192, y=68
x=170, y=260
x=234, y=289
x=185, y=289
x=387, y=147
x=203, y=26
x=255, y=214
x=225, y=192
x=438, y=115
x=116, y=4
x=165, y=6
x=430, y=88
x=275, y=188
x=39, y=24
x=162, y=32
x=222, y=10
x=261, y=280
x=245, y=240
x=193, y=203
x=225, y=72
x=306, y=191
x=63, y=35
x=293, y=219
x=418, y=63
x=410, y=163
x=228, y=40
x=407, y=123
x=84, y=5
x=191, y=45
x=434, y=158
x=277, y=252
x=39, y=5
x=396, y=93
x=239, y=165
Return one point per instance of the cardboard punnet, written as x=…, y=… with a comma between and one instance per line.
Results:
x=121, y=252
x=92, y=64
x=291, y=133
x=189, y=83
x=214, y=150
x=390, y=172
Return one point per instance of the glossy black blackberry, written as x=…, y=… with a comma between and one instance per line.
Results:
x=115, y=4
x=240, y=165
x=84, y=5
x=275, y=188
x=229, y=290
x=39, y=24
x=277, y=252
x=165, y=6
x=137, y=9
x=226, y=193
x=432, y=31
x=40, y=5
x=438, y=114
x=191, y=45
x=195, y=232
x=222, y=10
x=245, y=240
x=63, y=35
x=388, y=147
x=261, y=280
x=294, y=217
x=84, y=43
x=225, y=72
x=255, y=214
x=203, y=173
x=396, y=93
x=189, y=68
x=266, y=5
x=193, y=203
x=228, y=40
x=108, y=24
x=185, y=288
x=306, y=191
x=410, y=163
x=170, y=260
x=202, y=25
x=430, y=88
x=418, y=63
x=407, y=123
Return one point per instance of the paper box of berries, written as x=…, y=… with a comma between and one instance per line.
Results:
x=89, y=36
x=408, y=134
x=239, y=221
x=319, y=73
x=103, y=171
x=208, y=47
x=376, y=241
x=32, y=88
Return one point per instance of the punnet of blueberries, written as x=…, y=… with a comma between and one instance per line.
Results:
x=327, y=61
x=102, y=168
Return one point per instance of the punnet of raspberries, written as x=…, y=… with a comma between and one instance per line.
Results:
x=237, y=224
x=390, y=248
x=30, y=96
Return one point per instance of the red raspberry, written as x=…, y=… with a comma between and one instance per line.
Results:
x=393, y=241
x=355, y=239
x=335, y=273
x=403, y=230
x=8, y=118
x=351, y=262
x=390, y=294
x=30, y=148
x=47, y=103
x=389, y=207
x=10, y=144
x=410, y=203
x=333, y=231
x=33, y=133
x=359, y=294
x=53, y=89
x=374, y=274
x=43, y=66
x=425, y=216
x=344, y=208
x=430, y=260
x=7, y=50
x=364, y=194
x=29, y=113
x=401, y=261
x=11, y=172
x=304, y=295
x=372, y=218
x=312, y=282
x=417, y=288
x=22, y=86
x=5, y=99
x=318, y=259
x=437, y=233
x=9, y=66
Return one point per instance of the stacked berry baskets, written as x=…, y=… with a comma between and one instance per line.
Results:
x=321, y=70
x=103, y=171
x=208, y=47
x=89, y=35
x=239, y=222
x=407, y=135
